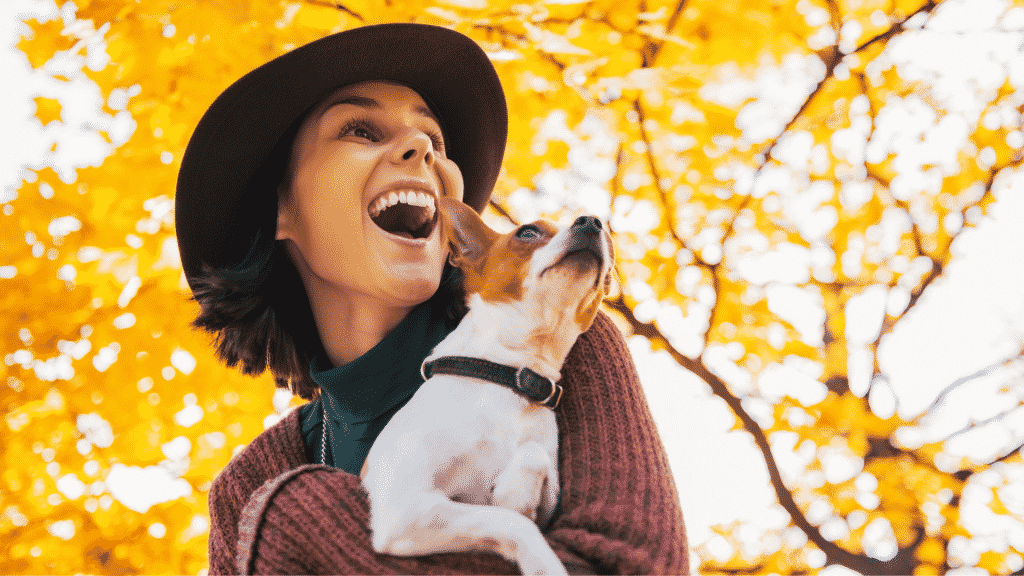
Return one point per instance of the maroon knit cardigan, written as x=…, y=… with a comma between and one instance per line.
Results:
x=274, y=512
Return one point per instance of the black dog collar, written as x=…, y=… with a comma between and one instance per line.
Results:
x=538, y=388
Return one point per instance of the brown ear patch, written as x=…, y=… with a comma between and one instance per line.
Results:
x=498, y=275
x=468, y=236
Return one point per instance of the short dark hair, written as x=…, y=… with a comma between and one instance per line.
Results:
x=261, y=318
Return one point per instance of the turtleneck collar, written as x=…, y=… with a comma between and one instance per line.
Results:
x=361, y=397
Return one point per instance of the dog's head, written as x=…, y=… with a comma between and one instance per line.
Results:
x=551, y=276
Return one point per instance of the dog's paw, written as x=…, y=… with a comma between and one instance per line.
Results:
x=539, y=558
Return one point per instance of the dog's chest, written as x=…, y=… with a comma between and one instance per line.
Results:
x=460, y=433
x=464, y=414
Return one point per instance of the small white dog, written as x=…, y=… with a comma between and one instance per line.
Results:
x=471, y=461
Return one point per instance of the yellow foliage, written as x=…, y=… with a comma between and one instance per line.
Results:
x=47, y=110
x=931, y=551
x=992, y=562
x=44, y=40
x=646, y=70
x=319, y=17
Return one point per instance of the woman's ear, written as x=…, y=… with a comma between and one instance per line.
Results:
x=285, y=219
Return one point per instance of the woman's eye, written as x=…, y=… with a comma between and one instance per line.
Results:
x=436, y=140
x=359, y=130
x=529, y=232
x=437, y=143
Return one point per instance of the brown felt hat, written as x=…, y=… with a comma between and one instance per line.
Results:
x=234, y=162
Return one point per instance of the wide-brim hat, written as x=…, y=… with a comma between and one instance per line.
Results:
x=235, y=159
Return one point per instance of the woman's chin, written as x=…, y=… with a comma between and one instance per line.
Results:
x=413, y=286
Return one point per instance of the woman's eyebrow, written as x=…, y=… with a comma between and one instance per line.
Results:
x=367, y=102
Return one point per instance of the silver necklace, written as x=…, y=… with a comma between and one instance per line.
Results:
x=327, y=430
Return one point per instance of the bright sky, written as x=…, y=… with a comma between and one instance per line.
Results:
x=969, y=320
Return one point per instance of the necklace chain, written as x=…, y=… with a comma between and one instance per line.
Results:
x=327, y=430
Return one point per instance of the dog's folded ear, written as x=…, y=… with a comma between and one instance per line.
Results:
x=467, y=234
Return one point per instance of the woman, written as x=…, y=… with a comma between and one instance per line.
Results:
x=297, y=268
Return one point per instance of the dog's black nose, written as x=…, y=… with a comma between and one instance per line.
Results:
x=587, y=223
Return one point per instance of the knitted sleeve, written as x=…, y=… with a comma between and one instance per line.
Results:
x=619, y=508
x=270, y=454
x=618, y=511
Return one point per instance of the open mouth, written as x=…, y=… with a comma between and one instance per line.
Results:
x=406, y=213
x=582, y=258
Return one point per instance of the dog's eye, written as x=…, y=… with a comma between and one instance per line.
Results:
x=529, y=232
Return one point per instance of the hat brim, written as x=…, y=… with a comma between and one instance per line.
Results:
x=223, y=197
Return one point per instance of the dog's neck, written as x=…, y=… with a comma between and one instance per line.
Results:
x=509, y=334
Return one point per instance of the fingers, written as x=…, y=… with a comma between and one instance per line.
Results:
x=451, y=178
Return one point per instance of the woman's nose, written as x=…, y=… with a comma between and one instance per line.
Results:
x=414, y=146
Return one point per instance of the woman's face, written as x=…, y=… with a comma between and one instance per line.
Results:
x=365, y=147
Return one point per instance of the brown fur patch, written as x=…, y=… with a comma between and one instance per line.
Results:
x=587, y=310
x=500, y=275
x=493, y=266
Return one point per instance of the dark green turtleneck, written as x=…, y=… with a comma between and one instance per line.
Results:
x=363, y=395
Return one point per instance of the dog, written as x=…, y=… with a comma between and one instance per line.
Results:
x=469, y=464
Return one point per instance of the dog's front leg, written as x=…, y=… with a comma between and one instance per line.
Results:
x=431, y=523
x=527, y=483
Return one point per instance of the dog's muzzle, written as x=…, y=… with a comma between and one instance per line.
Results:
x=585, y=235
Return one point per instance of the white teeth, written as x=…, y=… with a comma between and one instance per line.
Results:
x=410, y=197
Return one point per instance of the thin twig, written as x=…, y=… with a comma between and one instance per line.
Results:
x=337, y=6
x=504, y=213
x=941, y=398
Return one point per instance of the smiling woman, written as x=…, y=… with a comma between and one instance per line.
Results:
x=320, y=256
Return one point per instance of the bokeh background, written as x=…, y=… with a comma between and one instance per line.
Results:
x=818, y=210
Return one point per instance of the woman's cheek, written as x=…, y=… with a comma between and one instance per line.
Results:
x=451, y=178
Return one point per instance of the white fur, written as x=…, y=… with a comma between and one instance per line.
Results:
x=469, y=465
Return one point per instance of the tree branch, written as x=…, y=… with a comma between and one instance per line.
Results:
x=663, y=194
x=915, y=233
x=831, y=56
x=651, y=54
x=834, y=554
x=898, y=27
x=669, y=217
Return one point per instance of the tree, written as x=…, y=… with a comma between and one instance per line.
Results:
x=743, y=153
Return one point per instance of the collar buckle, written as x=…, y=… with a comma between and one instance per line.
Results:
x=554, y=397
x=423, y=369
